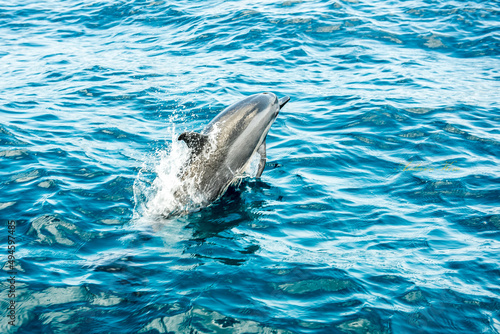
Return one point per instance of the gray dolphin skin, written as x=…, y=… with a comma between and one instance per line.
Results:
x=223, y=150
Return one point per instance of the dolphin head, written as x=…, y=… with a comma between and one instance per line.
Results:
x=254, y=114
x=273, y=104
x=259, y=111
x=266, y=107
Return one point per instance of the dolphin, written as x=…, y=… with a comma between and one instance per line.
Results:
x=222, y=151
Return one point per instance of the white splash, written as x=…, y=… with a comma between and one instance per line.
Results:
x=159, y=197
x=156, y=197
x=157, y=186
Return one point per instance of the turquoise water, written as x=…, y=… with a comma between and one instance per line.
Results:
x=378, y=211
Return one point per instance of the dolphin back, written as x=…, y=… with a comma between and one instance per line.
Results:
x=223, y=150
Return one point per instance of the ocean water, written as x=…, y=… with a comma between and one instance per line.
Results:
x=378, y=210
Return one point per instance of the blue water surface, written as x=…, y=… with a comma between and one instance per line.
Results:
x=378, y=211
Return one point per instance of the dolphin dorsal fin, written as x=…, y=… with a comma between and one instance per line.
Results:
x=194, y=140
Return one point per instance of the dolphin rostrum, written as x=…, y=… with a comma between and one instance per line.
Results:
x=222, y=152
